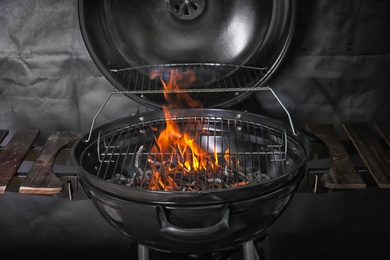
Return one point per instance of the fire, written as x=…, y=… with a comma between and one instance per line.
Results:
x=176, y=150
x=177, y=81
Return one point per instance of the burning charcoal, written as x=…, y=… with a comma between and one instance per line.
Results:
x=165, y=181
x=118, y=179
x=143, y=180
x=238, y=168
x=201, y=185
x=260, y=177
x=241, y=183
x=129, y=183
x=264, y=177
x=227, y=171
x=216, y=181
x=157, y=163
x=234, y=168
x=234, y=162
x=250, y=177
x=241, y=174
x=254, y=175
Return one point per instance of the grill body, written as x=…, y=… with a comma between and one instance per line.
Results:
x=199, y=220
x=206, y=211
x=187, y=228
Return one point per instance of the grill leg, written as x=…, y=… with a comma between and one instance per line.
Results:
x=143, y=253
x=249, y=251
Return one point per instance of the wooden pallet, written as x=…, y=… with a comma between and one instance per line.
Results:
x=41, y=178
x=342, y=174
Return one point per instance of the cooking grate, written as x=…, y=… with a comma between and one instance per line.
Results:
x=247, y=153
x=210, y=77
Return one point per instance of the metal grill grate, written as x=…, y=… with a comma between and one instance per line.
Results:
x=255, y=153
x=210, y=77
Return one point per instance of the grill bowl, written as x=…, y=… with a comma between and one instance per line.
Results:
x=194, y=221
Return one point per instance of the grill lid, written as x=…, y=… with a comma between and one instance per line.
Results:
x=234, y=45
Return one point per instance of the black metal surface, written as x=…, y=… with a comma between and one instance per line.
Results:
x=186, y=9
x=139, y=221
x=87, y=155
x=183, y=221
x=135, y=33
x=203, y=77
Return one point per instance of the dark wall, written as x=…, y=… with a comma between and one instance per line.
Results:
x=337, y=70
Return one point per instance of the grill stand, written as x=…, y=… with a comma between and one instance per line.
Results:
x=143, y=253
x=248, y=251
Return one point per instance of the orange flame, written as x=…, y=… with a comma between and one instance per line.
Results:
x=176, y=150
x=177, y=81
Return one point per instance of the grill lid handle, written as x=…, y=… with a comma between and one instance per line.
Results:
x=196, y=233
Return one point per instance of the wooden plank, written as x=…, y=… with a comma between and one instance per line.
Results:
x=41, y=178
x=13, y=154
x=371, y=152
x=342, y=173
x=3, y=134
x=384, y=131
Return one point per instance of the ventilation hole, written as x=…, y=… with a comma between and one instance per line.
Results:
x=186, y=10
x=195, y=6
x=177, y=8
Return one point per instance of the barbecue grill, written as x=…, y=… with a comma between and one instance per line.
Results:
x=337, y=65
x=193, y=178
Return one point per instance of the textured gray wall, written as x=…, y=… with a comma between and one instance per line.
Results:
x=337, y=70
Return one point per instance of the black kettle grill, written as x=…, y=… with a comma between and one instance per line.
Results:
x=233, y=48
